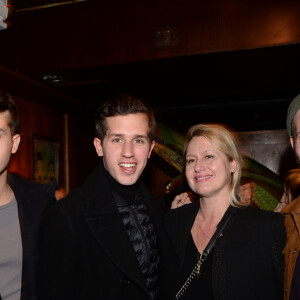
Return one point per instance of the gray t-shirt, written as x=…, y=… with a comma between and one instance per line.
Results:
x=10, y=252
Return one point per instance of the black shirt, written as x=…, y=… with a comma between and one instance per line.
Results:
x=201, y=286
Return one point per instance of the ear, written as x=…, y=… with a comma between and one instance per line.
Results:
x=234, y=166
x=151, y=148
x=292, y=142
x=16, y=141
x=98, y=146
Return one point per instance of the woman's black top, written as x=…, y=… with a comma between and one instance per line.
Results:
x=201, y=286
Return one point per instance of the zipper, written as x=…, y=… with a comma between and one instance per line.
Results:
x=139, y=228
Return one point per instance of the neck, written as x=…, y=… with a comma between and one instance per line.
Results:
x=6, y=193
x=126, y=192
x=212, y=211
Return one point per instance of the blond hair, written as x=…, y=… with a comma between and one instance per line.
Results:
x=223, y=140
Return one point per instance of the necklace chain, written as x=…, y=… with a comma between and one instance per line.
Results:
x=195, y=272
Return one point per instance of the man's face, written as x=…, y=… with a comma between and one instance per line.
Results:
x=8, y=144
x=295, y=140
x=125, y=147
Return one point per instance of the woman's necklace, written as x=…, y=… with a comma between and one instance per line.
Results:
x=202, y=231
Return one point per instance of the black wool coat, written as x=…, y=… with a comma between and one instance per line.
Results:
x=33, y=201
x=248, y=262
x=87, y=253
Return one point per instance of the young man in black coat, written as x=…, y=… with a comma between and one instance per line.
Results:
x=106, y=240
x=22, y=207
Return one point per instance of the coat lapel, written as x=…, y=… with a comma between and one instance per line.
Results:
x=106, y=225
x=33, y=200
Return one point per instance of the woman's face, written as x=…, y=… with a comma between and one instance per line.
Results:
x=246, y=192
x=208, y=170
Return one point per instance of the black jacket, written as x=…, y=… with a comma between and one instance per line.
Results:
x=33, y=200
x=87, y=253
x=248, y=262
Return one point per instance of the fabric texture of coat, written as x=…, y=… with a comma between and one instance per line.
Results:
x=33, y=200
x=87, y=253
x=291, y=251
x=248, y=262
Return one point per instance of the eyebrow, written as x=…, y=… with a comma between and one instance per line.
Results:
x=202, y=152
x=141, y=136
x=122, y=135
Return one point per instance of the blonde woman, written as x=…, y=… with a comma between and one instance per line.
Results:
x=227, y=249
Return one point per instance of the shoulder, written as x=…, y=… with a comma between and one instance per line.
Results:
x=73, y=200
x=184, y=209
x=293, y=207
x=180, y=216
x=256, y=227
x=257, y=214
x=259, y=222
x=31, y=192
x=18, y=182
x=66, y=212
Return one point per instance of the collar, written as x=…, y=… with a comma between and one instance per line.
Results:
x=293, y=208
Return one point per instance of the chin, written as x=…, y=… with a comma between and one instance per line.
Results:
x=127, y=181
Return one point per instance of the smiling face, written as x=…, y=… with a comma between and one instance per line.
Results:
x=8, y=143
x=208, y=170
x=125, y=147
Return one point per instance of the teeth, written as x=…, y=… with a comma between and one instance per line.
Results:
x=201, y=178
x=127, y=165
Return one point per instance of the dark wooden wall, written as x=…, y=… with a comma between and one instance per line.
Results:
x=96, y=33
x=82, y=155
x=41, y=121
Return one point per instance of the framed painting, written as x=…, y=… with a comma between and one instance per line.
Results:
x=45, y=160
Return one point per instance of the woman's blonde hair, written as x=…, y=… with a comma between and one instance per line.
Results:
x=223, y=140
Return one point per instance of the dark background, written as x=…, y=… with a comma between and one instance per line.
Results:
x=227, y=61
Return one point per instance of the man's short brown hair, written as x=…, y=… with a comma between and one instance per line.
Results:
x=120, y=106
x=8, y=104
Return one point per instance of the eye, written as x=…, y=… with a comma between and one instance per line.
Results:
x=209, y=156
x=117, y=140
x=190, y=161
x=139, y=141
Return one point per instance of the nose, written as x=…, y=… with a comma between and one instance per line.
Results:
x=199, y=166
x=127, y=149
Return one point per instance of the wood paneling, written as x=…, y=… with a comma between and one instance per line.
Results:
x=36, y=120
x=96, y=33
x=82, y=155
x=25, y=88
x=271, y=148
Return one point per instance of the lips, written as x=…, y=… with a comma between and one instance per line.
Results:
x=128, y=168
x=203, y=178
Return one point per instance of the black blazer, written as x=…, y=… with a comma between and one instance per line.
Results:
x=248, y=262
x=87, y=253
x=33, y=200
